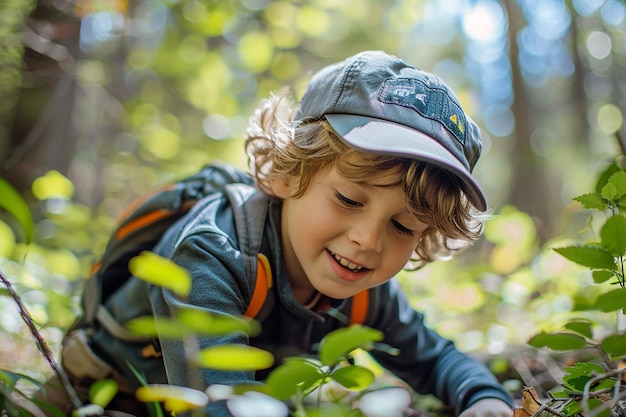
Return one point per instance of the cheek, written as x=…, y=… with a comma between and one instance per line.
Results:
x=318, y=220
x=309, y=218
x=402, y=253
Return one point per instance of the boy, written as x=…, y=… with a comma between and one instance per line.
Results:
x=370, y=174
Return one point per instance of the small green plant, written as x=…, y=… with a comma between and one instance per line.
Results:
x=295, y=380
x=596, y=387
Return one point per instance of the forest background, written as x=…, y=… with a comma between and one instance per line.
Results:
x=101, y=100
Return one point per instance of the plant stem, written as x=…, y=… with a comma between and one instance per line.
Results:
x=41, y=344
x=620, y=319
x=621, y=278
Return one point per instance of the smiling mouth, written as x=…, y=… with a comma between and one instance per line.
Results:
x=350, y=266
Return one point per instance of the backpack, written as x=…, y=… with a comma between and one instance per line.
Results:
x=145, y=221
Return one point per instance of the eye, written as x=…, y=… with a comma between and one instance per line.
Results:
x=345, y=200
x=402, y=229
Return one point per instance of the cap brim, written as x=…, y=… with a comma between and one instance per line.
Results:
x=388, y=138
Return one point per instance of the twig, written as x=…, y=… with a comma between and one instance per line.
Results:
x=615, y=401
x=41, y=344
x=609, y=404
x=545, y=406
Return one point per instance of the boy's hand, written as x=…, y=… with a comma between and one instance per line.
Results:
x=489, y=407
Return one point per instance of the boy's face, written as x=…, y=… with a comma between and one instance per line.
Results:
x=342, y=237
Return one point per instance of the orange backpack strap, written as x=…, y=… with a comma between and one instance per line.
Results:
x=360, y=307
x=261, y=288
x=261, y=302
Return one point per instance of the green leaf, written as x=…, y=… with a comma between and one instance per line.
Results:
x=560, y=394
x=594, y=403
x=14, y=204
x=609, y=191
x=9, y=378
x=576, y=382
x=572, y=409
x=611, y=301
x=604, y=176
x=151, y=327
x=174, y=398
x=102, y=392
x=558, y=341
x=232, y=357
x=614, y=344
x=592, y=201
x=191, y=321
x=613, y=235
x=295, y=375
x=583, y=328
x=618, y=180
x=50, y=410
x=589, y=256
x=205, y=323
x=353, y=377
x=584, y=368
x=25, y=407
x=140, y=377
x=160, y=271
x=602, y=276
x=341, y=342
x=605, y=384
x=154, y=408
x=52, y=184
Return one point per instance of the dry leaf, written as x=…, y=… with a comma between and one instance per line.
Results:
x=530, y=403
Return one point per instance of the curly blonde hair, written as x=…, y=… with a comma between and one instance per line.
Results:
x=279, y=148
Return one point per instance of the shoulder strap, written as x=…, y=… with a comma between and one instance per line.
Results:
x=262, y=288
x=360, y=307
x=142, y=224
x=250, y=212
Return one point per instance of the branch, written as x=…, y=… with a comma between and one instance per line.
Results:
x=607, y=404
x=41, y=344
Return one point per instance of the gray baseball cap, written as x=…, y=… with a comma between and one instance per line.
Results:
x=379, y=104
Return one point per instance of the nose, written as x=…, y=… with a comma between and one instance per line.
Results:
x=367, y=235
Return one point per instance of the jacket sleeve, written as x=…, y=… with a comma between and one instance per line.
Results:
x=218, y=287
x=428, y=362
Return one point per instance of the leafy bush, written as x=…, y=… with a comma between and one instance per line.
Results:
x=595, y=387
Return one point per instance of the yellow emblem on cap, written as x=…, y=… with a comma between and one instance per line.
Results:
x=457, y=122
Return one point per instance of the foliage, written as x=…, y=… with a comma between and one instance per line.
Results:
x=15, y=204
x=293, y=380
x=595, y=388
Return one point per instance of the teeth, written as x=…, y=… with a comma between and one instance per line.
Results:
x=347, y=264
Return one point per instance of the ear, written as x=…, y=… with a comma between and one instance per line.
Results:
x=280, y=188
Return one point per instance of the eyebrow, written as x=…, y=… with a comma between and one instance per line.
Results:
x=368, y=185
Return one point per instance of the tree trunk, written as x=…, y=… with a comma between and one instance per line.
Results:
x=40, y=134
x=528, y=192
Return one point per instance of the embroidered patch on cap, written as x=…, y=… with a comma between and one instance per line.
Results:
x=433, y=103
